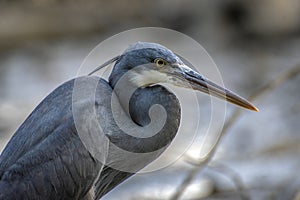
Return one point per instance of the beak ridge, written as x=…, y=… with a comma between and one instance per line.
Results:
x=200, y=83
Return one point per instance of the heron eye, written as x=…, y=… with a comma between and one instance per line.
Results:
x=159, y=62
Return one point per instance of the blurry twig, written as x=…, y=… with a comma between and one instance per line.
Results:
x=186, y=182
x=230, y=173
x=281, y=79
x=201, y=163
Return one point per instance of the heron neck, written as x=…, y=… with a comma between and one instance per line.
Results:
x=123, y=92
x=137, y=102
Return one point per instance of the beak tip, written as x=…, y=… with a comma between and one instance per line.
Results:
x=256, y=109
x=253, y=108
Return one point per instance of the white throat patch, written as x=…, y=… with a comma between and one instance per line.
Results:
x=148, y=77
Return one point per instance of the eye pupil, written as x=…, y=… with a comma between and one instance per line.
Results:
x=160, y=62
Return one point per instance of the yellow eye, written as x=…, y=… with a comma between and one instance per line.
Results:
x=159, y=62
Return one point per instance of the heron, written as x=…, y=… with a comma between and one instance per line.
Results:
x=46, y=158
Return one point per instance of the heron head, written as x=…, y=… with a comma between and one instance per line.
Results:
x=150, y=63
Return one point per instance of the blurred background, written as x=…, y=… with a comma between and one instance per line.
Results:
x=255, y=44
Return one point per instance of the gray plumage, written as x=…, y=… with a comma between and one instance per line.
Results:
x=46, y=159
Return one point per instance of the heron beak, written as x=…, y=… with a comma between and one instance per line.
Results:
x=200, y=83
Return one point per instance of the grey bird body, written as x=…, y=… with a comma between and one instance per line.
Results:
x=45, y=159
x=48, y=158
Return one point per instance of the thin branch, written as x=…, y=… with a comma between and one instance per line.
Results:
x=234, y=177
x=200, y=163
x=186, y=182
x=275, y=83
